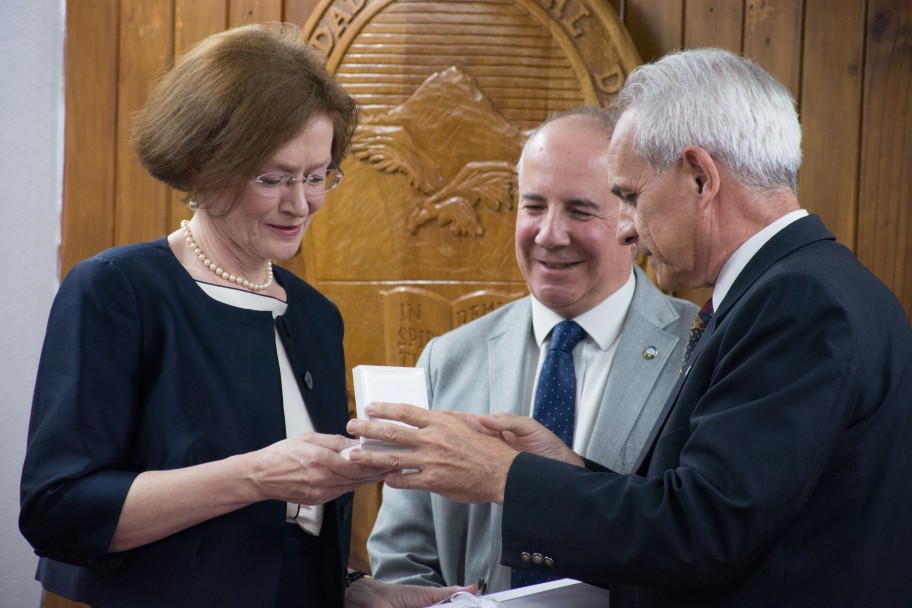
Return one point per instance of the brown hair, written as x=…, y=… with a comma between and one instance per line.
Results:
x=231, y=102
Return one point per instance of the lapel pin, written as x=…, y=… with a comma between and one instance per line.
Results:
x=650, y=352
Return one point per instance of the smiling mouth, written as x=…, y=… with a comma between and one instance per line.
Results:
x=289, y=229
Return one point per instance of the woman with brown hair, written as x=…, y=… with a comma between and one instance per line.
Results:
x=190, y=403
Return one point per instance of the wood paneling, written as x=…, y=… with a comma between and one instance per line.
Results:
x=884, y=208
x=87, y=221
x=196, y=19
x=50, y=600
x=845, y=62
x=831, y=113
x=772, y=37
x=656, y=27
x=242, y=12
x=298, y=12
x=713, y=23
x=146, y=50
x=848, y=63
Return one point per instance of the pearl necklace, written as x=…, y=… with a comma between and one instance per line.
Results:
x=224, y=274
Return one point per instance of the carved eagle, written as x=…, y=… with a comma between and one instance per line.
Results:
x=433, y=139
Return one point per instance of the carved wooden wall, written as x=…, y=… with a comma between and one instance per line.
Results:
x=418, y=237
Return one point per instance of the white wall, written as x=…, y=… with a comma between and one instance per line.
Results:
x=31, y=176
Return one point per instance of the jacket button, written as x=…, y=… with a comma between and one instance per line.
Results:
x=549, y=562
x=537, y=559
x=526, y=557
x=308, y=381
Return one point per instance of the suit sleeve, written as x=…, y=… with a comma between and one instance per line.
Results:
x=75, y=477
x=758, y=420
x=403, y=544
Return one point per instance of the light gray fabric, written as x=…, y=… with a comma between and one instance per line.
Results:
x=422, y=538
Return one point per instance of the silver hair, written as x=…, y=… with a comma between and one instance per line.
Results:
x=722, y=102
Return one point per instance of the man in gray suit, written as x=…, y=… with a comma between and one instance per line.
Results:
x=625, y=365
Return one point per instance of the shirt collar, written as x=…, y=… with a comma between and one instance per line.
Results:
x=602, y=323
x=743, y=254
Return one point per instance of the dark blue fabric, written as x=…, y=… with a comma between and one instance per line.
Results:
x=140, y=371
x=555, y=397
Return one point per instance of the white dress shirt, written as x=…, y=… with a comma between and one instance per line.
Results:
x=592, y=356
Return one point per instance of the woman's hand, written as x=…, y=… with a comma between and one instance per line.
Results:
x=307, y=469
x=369, y=593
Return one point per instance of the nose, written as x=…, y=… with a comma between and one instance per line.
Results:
x=553, y=230
x=626, y=230
x=297, y=199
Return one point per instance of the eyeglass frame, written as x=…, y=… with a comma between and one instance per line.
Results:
x=287, y=179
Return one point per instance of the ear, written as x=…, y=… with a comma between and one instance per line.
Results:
x=702, y=172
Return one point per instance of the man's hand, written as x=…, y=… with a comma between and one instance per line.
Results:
x=442, y=454
x=527, y=435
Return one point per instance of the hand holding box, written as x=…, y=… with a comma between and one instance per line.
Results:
x=383, y=383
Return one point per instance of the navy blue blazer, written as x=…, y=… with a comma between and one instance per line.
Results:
x=141, y=370
x=778, y=473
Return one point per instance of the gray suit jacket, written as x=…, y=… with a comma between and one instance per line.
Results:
x=423, y=538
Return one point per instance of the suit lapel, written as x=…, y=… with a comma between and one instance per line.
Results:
x=797, y=234
x=508, y=346
x=624, y=400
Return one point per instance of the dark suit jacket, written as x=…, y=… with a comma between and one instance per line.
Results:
x=779, y=474
x=141, y=370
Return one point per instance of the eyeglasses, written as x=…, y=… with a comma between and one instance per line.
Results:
x=315, y=184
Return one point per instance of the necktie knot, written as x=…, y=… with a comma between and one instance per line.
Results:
x=565, y=336
x=697, y=328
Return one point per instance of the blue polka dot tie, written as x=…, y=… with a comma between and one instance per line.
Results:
x=555, y=406
x=696, y=330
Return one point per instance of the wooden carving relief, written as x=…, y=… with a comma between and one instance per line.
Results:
x=451, y=184
x=449, y=91
x=413, y=315
x=418, y=238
